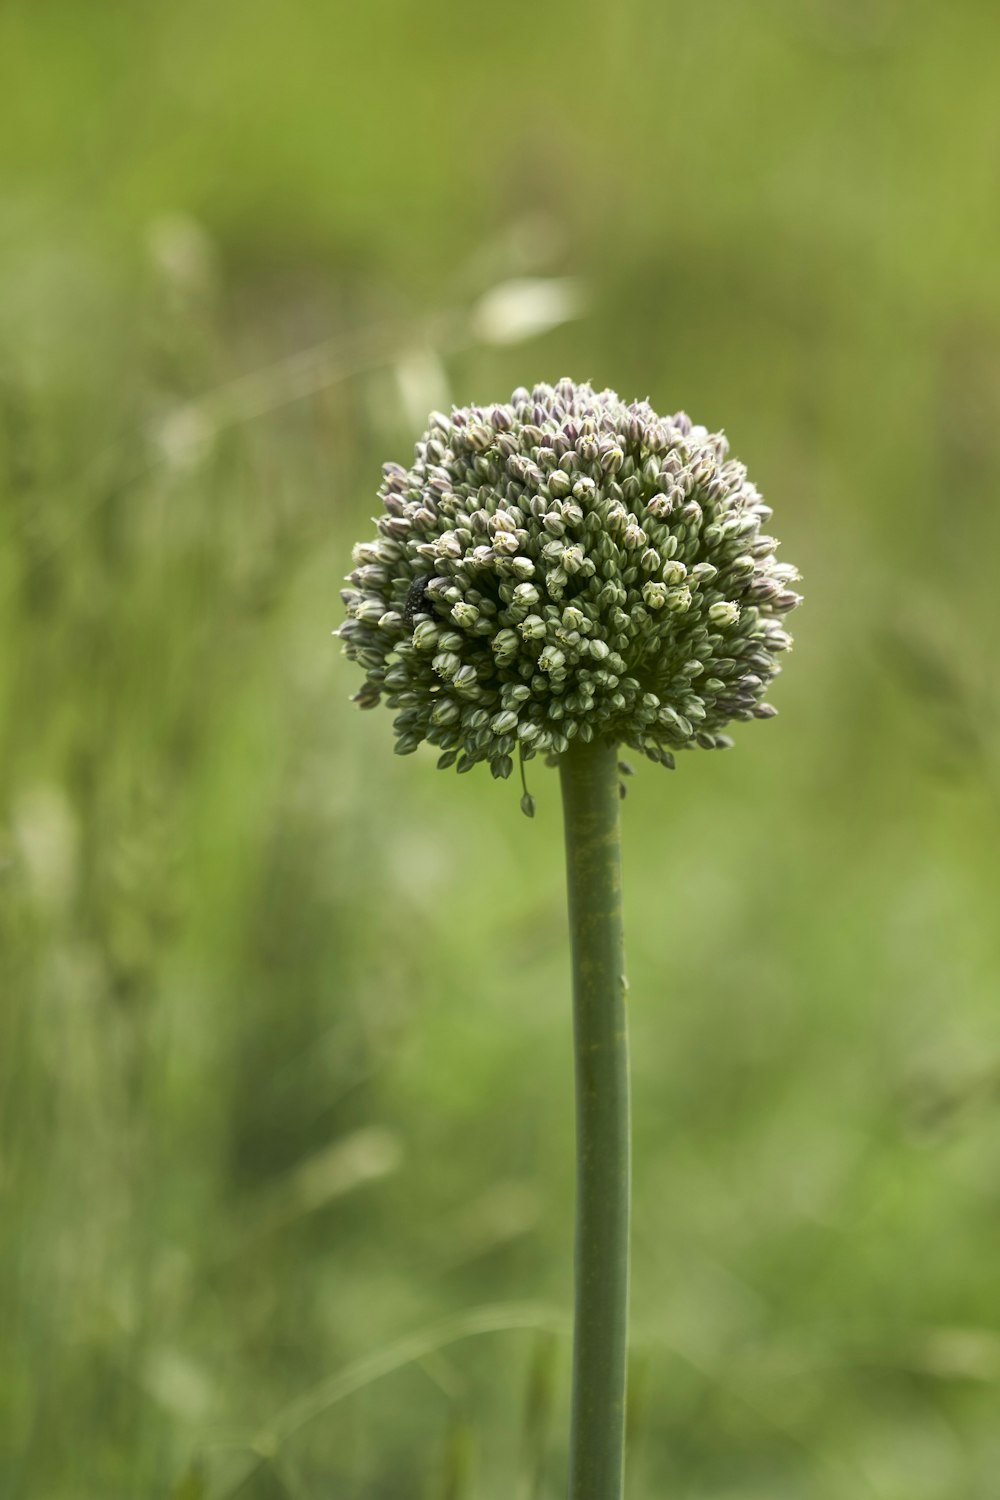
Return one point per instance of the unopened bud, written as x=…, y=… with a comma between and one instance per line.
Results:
x=724, y=613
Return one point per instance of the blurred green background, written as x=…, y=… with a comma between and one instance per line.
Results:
x=285, y=1072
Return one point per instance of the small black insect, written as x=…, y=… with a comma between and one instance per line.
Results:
x=415, y=601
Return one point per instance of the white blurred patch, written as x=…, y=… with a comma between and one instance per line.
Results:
x=422, y=384
x=183, y=436
x=346, y=1164
x=526, y=307
x=178, y=1384
x=335, y=1170
x=46, y=833
x=182, y=251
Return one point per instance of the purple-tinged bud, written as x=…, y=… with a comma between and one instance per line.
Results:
x=661, y=506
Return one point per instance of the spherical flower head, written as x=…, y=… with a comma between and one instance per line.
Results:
x=562, y=566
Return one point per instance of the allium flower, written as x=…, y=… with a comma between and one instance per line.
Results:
x=565, y=565
x=559, y=575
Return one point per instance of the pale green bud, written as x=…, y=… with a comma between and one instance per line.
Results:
x=724, y=613
x=464, y=614
x=445, y=711
x=425, y=636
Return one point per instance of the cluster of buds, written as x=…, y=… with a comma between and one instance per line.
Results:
x=567, y=566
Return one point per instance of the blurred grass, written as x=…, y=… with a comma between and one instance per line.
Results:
x=284, y=1055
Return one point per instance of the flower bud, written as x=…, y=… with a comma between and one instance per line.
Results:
x=505, y=646
x=464, y=614
x=425, y=636
x=446, y=664
x=724, y=613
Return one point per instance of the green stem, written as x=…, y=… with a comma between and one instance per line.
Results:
x=589, y=776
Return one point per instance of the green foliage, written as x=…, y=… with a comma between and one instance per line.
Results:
x=285, y=1067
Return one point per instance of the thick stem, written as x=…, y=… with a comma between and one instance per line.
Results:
x=589, y=776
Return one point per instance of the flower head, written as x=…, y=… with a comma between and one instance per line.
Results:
x=565, y=565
